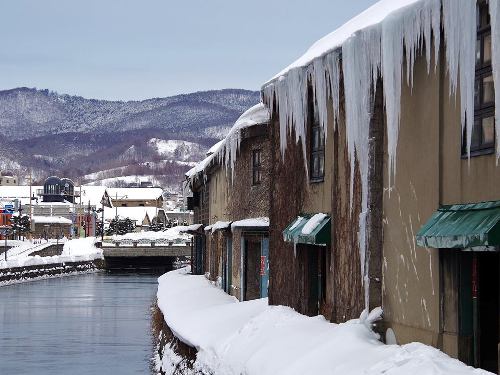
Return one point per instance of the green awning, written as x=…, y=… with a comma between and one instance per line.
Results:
x=317, y=232
x=462, y=226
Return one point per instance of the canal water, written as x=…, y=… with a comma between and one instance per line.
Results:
x=89, y=324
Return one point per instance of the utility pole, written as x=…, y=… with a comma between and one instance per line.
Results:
x=30, y=206
x=79, y=210
x=102, y=223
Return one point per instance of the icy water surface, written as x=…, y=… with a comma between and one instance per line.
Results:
x=90, y=324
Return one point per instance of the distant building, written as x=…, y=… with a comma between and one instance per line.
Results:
x=9, y=181
x=51, y=226
x=230, y=203
x=60, y=190
x=136, y=197
x=180, y=216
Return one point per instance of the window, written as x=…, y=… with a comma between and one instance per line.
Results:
x=317, y=153
x=483, y=132
x=256, y=167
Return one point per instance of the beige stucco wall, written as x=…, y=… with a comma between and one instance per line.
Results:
x=430, y=172
x=411, y=274
x=464, y=181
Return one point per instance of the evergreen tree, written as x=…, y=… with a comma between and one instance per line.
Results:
x=120, y=226
x=98, y=228
x=20, y=224
x=156, y=226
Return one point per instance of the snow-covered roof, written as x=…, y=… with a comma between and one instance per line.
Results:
x=135, y=193
x=190, y=228
x=170, y=234
x=260, y=222
x=215, y=147
x=22, y=193
x=312, y=223
x=219, y=225
x=177, y=212
x=133, y=213
x=92, y=194
x=371, y=16
x=227, y=149
x=256, y=115
x=51, y=220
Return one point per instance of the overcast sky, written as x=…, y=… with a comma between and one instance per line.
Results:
x=136, y=49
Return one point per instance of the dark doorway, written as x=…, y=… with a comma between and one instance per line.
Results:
x=313, y=280
x=198, y=255
x=252, y=268
x=487, y=310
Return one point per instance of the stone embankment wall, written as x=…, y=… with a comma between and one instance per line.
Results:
x=50, y=251
x=171, y=356
x=20, y=274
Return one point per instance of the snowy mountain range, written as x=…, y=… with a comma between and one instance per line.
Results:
x=51, y=133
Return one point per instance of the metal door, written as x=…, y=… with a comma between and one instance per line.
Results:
x=229, y=265
x=264, y=267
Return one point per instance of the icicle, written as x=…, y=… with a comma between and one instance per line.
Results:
x=495, y=47
x=361, y=61
x=319, y=79
x=380, y=49
x=291, y=96
x=459, y=24
x=332, y=63
x=408, y=31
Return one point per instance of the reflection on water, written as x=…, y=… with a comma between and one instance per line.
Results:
x=89, y=324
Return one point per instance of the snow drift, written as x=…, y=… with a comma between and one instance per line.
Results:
x=253, y=338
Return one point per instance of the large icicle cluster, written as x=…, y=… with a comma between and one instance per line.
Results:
x=405, y=31
x=459, y=23
x=359, y=84
x=376, y=44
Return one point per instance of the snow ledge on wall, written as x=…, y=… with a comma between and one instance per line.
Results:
x=253, y=338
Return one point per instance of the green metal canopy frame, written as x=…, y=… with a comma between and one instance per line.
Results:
x=462, y=226
x=321, y=235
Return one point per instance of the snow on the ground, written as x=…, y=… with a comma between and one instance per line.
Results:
x=253, y=338
x=78, y=250
x=51, y=220
x=22, y=249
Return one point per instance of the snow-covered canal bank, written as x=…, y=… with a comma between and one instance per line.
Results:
x=89, y=324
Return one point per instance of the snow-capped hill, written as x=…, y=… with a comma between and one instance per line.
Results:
x=178, y=150
x=52, y=134
x=26, y=113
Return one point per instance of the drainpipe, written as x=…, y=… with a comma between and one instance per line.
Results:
x=475, y=310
